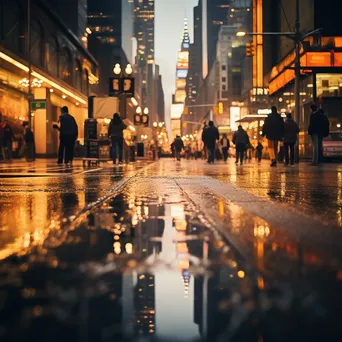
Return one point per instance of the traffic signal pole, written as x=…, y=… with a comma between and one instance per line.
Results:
x=298, y=40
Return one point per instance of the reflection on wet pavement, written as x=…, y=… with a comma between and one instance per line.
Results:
x=149, y=265
x=315, y=191
x=30, y=205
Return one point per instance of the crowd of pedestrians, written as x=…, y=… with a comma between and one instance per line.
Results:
x=281, y=136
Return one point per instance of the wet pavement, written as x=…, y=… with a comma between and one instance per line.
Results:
x=171, y=252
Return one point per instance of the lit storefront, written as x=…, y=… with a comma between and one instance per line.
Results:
x=52, y=95
x=321, y=82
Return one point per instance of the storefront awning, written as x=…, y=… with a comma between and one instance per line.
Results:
x=255, y=117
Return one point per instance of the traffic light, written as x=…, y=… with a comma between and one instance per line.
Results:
x=220, y=108
x=250, y=50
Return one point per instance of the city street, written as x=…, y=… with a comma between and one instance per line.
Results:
x=170, y=251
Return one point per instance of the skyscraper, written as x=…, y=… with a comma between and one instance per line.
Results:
x=182, y=70
x=110, y=23
x=73, y=13
x=144, y=34
x=214, y=14
x=144, y=29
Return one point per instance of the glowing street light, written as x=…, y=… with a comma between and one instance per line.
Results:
x=146, y=111
x=129, y=69
x=241, y=34
x=155, y=124
x=117, y=69
x=138, y=110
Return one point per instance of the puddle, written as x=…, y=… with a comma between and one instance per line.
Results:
x=145, y=266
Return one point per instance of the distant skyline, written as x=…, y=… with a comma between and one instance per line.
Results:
x=169, y=25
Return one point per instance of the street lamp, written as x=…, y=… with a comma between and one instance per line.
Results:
x=155, y=124
x=117, y=69
x=146, y=111
x=129, y=69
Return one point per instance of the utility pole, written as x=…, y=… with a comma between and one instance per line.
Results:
x=298, y=39
x=29, y=58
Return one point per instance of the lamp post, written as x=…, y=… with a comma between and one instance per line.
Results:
x=122, y=86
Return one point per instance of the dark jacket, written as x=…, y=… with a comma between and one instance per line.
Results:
x=210, y=135
x=290, y=132
x=8, y=133
x=28, y=136
x=178, y=144
x=319, y=124
x=115, y=130
x=274, y=127
x=259, y=148
x=241, y=138
x=68, y=126
x=228, y=142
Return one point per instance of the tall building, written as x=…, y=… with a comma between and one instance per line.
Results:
x=74, y=15
x=63, y=72
x=144, y=34
x=110, y=23
x=182, y=68
x=214, y=13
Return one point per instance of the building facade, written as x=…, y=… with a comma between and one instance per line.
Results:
x=53, y=63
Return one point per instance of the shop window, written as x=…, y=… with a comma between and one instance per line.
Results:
x=65, y=65
x=52, y=56
x=329, y=85
x=78, y=75
x=37, y=43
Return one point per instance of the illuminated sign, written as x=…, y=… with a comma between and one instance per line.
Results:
x=183, y=60
x=182, y=73
x=234, y=116
x=180, y=83
x=177, y=110
x=264, y=111
x=180, y=96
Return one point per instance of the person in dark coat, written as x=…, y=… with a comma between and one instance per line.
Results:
x=225, y=143
x=29, y=149
x=7, y=140
x=291, y=131
x=68, y=133
x=274, y=131
x=241, y=141
x=259, y=149
x=178, y=145
x=318, y=129
x=210, y=136
x=115, y=133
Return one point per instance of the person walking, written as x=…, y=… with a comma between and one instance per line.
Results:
x=68, y=132
x=318, y=129
x=209, y=136
x=241, y=141
x=274, y=131
x=28, y=148
x=178, y=146
x=259, y=149
x=225, y=143
x=7, y=140
x=115, y=133
x=291, y=131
